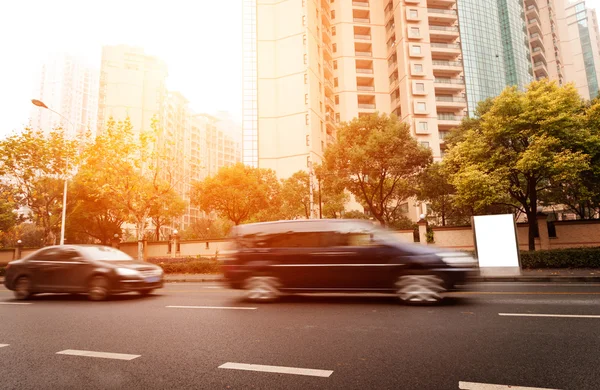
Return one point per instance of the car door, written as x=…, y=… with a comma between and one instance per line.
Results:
x=292, y=260
x=41, y=267
x=70, y=271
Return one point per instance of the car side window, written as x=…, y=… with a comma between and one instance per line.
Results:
x=295, y=240
x=67, y=255
x=49, y=254
x=360, y=239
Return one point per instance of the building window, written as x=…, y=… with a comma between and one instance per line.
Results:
x=305, y=78
x=334, y=64
x=306, y=119
x=337, y=117
x=422, y=127
x=305, y=98
x=321, y=126
x=421, y=106
x=332, y=14
x=322, y=145
x=320, y=106
x=306, y=58
x=425, y=144
x=335, y=82
x=337, y=99
x=413, y=14
x=415, y=49
x=304, y=39
x=420, y=87
x=418, y=68
x=304, y=20
x=333, y=31
x=415, y=32
x=334, y=46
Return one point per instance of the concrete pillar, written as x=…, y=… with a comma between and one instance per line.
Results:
x=542, y=221
x=18, y=250
x=422, y=231
x=145, y=243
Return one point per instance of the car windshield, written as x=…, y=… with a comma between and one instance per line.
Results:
x=105, y=253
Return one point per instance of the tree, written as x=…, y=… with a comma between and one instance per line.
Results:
x=166, y=209
x=129, y=169
x=36, y=164
x=518, y=150
x=295, y=196
x=207, y=228
x=8, y=208
x=377, y=160
x=239, y=193
x=331, y=194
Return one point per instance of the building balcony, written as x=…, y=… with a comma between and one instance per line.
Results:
x=441, y=67
x=448, y=121
x=444, y=33
x=326, y=19
x=449, y=84
x=325, y=5
x=330, y=103
x=537, y=53
x=328, y=69
x=535, y=40
x=442, y=16
x=361, y=20
x=330, y=139
x=327, y=53
x=329, y=90
x=534, y=26
x=532, y=12
x=365, y=88
x=370, y=107
x=361, y=4
x=393, y=84
x=451, y=102
x=440, y=3
x=364, y=70
x=327, y=38
x=445, y=50
x=540, y=69
x=363, y=54
x=362, y=37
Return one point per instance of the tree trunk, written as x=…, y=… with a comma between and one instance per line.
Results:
x=532, y=221
x=140, y=238
x=157, y=231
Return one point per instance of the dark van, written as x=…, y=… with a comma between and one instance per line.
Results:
x=271, y=258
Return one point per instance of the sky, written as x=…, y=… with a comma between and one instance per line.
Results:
x=200, y=41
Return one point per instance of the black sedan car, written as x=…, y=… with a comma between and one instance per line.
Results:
x=303, y=256
x=96, y=270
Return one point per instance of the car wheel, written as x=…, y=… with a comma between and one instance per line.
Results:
x=262, y=289
x=420, y=289
x=98, y=288
x=23, y=288
x=146, y=292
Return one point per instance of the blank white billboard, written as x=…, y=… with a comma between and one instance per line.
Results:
x=496, y=244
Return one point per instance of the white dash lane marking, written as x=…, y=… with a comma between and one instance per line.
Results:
x=213, y=307
x=548, y=315
x=103, y=355
x=487, y=386
x=4, y=345
x=277, y=369
x=15, y=303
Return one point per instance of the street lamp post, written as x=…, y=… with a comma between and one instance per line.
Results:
x=41, y=104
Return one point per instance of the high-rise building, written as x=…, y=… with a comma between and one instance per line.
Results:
x=584, y=43
x=220, y=147
x=133, y=85
x=69, y=85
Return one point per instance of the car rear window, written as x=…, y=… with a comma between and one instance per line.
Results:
x=105, y=253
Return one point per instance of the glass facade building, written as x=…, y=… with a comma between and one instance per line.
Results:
x=250, y=87
x=586, y=48
x=495, y=47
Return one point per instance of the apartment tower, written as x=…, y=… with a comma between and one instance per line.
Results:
x=68, y=85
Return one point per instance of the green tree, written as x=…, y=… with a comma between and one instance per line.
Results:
x=295, y=196
x=207, y=228
x=169, y=207
x=36, y=164
x=239, y=193
x=517, y=151
x=8, y=208
x=129, y=169
x=377, y=160
x=330, y=193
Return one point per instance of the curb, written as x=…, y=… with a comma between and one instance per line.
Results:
x=567, y=279
x=220, y=280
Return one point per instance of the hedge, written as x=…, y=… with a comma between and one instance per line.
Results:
x=188, y=265
x=562, y=258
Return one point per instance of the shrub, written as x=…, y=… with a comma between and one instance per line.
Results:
x=562, y=258
x=2, y=271
x=188, y=265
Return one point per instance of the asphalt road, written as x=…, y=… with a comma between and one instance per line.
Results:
x=489, y=335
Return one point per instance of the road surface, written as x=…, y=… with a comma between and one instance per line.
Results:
x=204, y=336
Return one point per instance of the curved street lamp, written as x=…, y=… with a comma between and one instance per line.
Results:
x=41, y=104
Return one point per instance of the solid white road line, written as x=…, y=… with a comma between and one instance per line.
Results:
x=15, y=303
x=104, y=355
x=277, y=369
x=4, y=345
x=213, y=307
x=548, y=315
x=487, y=386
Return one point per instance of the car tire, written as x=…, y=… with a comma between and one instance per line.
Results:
x=23, y=288
x=262, y=289
x=146, y=292
x=420, y=289
x=98, y=288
